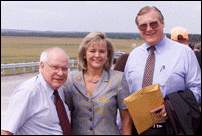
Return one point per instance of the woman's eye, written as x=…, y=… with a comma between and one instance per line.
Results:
x=102, y=51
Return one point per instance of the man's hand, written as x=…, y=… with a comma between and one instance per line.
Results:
x=160, y=111
x=3, y=132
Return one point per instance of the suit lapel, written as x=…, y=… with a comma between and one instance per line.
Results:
x=78, y=81
x=101, y=84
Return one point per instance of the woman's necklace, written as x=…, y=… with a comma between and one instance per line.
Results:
x=92, y=80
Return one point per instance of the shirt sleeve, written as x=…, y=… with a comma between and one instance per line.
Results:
x=129, y=69
x=123, y=93
x=20, y=106
x=126, y=67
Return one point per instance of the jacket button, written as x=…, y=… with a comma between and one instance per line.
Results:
x=90, y=109
x=91, y=129
x=90, y=118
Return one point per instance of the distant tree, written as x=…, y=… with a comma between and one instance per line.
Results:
x=194, y=38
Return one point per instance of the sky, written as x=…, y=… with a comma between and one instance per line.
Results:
x=87, y=16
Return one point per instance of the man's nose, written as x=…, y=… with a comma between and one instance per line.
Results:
x=60, y=72
x=149, y=28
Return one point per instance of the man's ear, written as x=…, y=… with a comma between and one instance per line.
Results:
x=41, y=66
x=163, y=23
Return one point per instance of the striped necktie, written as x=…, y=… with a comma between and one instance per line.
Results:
x=62, y=115
x=149, y=69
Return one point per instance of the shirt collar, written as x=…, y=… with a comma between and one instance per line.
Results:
x=45, y=85
x=159, y=46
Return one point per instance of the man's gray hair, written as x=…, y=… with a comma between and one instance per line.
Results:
x=148, y=9
x=44, y=54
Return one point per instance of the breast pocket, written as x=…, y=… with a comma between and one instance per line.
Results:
x=171, y=81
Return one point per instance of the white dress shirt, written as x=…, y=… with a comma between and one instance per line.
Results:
x=176, y=68
x=32, y=110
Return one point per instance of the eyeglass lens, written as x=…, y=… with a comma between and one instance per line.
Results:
x=153, y=25
x=57, y=68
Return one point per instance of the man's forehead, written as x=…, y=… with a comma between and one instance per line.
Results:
x=56, y=53
x=58, y=59
x=59, y=62
x=151, y=16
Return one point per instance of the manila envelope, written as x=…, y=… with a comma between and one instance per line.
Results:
x=141, y=103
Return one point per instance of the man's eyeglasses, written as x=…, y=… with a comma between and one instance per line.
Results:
x=57, y=68
x=153, y=25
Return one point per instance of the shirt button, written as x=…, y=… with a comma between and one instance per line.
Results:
x=90, y=118
x=90, y=109
x=91, y=129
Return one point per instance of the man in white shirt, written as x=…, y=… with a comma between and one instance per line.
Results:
x=175, y=67
x=32, y=109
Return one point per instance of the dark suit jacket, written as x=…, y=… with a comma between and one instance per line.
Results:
x=198, y=56
x=183, y=113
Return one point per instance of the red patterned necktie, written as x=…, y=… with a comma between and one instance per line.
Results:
x=62, y=115
x=149, y=69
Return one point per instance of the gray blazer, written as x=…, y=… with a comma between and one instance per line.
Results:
x=96, y=114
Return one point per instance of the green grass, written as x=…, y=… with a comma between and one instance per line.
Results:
x=28, y=49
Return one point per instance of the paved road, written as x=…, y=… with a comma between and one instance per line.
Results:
x=8, y=84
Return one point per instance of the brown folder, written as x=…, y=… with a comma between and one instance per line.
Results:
x=141, y=103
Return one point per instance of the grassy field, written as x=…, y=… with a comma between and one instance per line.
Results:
x=28, y=49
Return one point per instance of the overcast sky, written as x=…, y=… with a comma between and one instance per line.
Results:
x=106, y=16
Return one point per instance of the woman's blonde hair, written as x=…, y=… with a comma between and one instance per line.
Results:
x=95, y=38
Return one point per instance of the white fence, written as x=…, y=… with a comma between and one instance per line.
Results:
x=24, y=65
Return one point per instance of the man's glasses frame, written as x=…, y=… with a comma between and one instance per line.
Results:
x=143, y=27
x=57, y=68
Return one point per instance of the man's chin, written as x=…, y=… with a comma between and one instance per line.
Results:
x=152, y=42
x=58, y=85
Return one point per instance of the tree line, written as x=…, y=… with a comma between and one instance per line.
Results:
x=193, y=38
x=69, y=34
